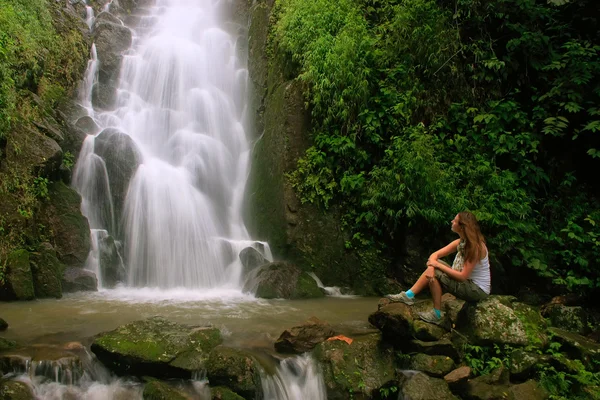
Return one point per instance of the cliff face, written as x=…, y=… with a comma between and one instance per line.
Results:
x=297, y=232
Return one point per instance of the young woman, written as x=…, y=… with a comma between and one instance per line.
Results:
x=468, y=278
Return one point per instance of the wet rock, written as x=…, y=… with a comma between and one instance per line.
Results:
x=122, y=158
x=157, y=390
x=305, y=337
x=111, y=266
x=77, y=279
x=15, y=390
x=418, y=386
x=251, y=259
x=497, y=320
x=487, y=387
x=427, y=332
x=361, y=367
x=50, y=129
x=235, y=369
x=87, y=124
x=436, y=366
x=62, y=215
x=19, y=279
x=47, y=272
x=44, y=155
x=3, y=325
x=156, y=347
x=223, y=393
x=281, y=280
x=452, y=306
x=530, y=390
x=578, y=347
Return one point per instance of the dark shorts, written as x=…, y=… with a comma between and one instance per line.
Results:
x=466, y=290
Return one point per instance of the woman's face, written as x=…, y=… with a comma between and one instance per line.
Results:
x=455, y=224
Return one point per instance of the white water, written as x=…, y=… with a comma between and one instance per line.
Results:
x=182, y=100
x=296, y=378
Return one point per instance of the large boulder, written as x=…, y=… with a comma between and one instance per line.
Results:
x=305, y=337
x=77, y=279
x=436, y=366
x=282, y=280
x=500, y=320
x=15, y=390
x=19, y=279
x=578, y=347
x=251, y=259
x=361, y=367
x=156, y=347
x=38, y=151
x=571, y=318
x=47, y=272
x=111, y=40
x=122, y=158
x=235, y=369
x=157, y=390
x=61, y=215
x=112, y=269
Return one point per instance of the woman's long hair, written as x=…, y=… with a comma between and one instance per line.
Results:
x=471, y=234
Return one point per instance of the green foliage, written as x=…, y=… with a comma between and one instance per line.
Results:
x=68, y=160
x=424, y=108
x=482, y=360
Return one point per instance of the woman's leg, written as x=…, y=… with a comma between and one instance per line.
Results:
x=436, y=293
x=421, y=283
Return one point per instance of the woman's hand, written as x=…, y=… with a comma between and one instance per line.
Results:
x=430, y=272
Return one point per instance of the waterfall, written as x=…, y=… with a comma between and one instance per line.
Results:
x=166, y=173
x=296, y=378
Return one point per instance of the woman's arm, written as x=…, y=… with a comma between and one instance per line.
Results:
x=460, y=276
x=444, y=251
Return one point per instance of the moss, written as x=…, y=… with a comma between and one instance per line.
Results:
x=15, y=390
x=6, y=344
x=234, y=369
x=157, y=390
x=19, y=275
x=47, y=273
x=307, y=288
x=223, y=393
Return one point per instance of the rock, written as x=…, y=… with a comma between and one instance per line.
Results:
x=488, y=387
x=360, y=368
x=282, y=280
x=122, y=158
x=223, y=393
x=51, y=362
x=442, y=347
x=3, y=325
x=15, y=390
x=6, y=344
x=157, y=390
x=418, y=386
x=427, y=332
x=458, y=377
x=578, y=347
x=71, y=231
x=19, y=279
x=452, y=306
x=497, y=320
x=235, y=369
x=305, y=337
x=47, y=272
x=394, y=321
x=111, y=266
x=436, y=366
x=523, y=363
x=44, y=155
x=251, y=259
x=156, y=347
x=50, y=129
x=570, y=318
x=77, y=279
x=87, y=124
x=529, y=390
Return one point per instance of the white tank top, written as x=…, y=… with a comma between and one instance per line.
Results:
x=481, y=274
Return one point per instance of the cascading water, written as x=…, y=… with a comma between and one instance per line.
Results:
x=296, y=378
x=179, y=123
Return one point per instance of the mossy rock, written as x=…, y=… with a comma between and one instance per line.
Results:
x=361, y=367
x=47, y=272
x=156, y=347
x=436, y=366
x=157, y=390
x=19, y=278
x=3, y=325
x=282, y=280
x=71, y=230
x=15, y=390
x=223, y=393
x=235, y=369
x=6, y=344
